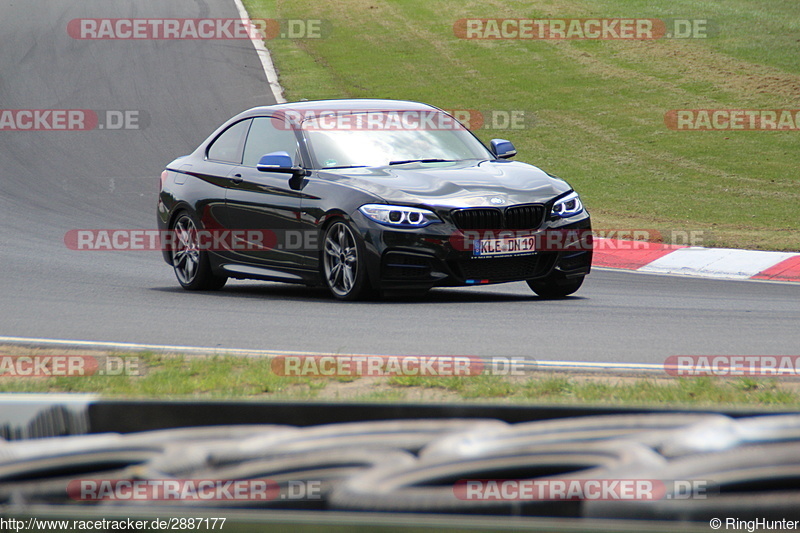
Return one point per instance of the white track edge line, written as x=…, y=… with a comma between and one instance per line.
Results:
x=570, y=365
x=263, y=55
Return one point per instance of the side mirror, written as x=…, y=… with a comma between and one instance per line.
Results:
x=503, y=149
x=279, y=162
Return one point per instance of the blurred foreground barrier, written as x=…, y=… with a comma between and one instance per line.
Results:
x=306, y=465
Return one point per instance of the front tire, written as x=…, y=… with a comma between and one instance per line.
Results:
x=190, y=262
x=555, y=287
x=343, y=267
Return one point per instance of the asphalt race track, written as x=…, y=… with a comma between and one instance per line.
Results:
x=52, y=182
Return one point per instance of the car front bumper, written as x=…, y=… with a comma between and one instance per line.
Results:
x=440, y=255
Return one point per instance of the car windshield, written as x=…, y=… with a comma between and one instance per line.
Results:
x=389, y=137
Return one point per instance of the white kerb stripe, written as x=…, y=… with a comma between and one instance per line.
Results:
x=716, y=262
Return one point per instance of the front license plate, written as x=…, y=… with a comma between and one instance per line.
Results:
x=508, y=246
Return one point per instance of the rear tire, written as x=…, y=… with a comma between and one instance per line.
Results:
x=191, y=264
x=555, y=287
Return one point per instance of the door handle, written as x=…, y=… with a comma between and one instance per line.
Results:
x=237, y=178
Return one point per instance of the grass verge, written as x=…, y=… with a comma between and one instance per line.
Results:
x=158, y=375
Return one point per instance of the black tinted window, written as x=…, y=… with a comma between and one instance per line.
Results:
x=228, y=146
x=267, y=136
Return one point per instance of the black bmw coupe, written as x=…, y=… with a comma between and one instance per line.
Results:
x=367, y=197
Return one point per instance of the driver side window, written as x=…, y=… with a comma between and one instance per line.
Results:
x=265, y=137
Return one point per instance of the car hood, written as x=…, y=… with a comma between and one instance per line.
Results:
x=454, y=184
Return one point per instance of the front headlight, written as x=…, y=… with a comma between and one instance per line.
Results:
x=399, y=216
x=569, y=206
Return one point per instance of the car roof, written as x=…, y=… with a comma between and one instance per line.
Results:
x=350, y=104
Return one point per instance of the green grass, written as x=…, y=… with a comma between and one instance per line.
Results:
x=252, y=378
x=162, y=376
x=599, y=105
x=697, y=392
x=471, y=387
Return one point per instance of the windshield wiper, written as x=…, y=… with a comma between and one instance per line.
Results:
x=430, y=160
x=344, y=166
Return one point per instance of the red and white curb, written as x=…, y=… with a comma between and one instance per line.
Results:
x=723, y=263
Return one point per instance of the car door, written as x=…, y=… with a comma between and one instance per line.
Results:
x=265, y=201
x=213, y=175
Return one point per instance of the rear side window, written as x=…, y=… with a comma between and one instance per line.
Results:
x=267, y=136
x=227, y=148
